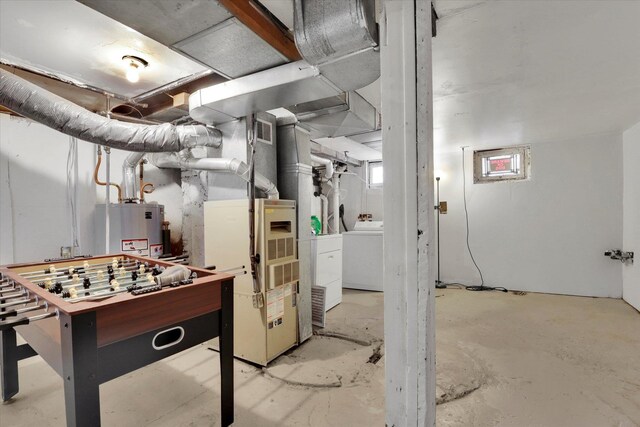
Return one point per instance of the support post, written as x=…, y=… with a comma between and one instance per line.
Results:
x=408, y=211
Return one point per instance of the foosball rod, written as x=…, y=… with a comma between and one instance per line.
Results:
x=102, y=292
x=14, y=313
x=66, y=271
x=107, y=291
x=107, y=288
x=17, y=302
x=173, y=258
x=17, y=293
x=26, y=320
x=79, y=286
x=94, y=276
x=95, y=267
x=95, y=290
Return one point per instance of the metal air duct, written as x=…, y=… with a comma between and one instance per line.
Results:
x=296, y=183
x=337, y=38
x=341, y=38
x=42, y=106
x=342, y=115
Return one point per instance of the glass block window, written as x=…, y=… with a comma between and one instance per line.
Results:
x=502, y=164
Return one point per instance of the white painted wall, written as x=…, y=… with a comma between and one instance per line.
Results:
x=358, y=198
x=547, y=234
x=631, y=203
x=34, y=213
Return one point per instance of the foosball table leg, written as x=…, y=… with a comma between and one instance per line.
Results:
x=8, y=364
x=226, y=353
x=80, y=369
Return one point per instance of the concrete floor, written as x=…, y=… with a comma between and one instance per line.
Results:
x=503, y=359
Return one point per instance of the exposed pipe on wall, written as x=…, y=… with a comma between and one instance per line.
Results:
x=105, y=183
x=185, y=160
x=328, y=165
x=40, y=105
x=335, y=220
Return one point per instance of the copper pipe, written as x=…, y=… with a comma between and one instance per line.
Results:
x=97, y=180
x=144, y=185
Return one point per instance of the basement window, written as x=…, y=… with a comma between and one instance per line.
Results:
x=502, y=164
x=376, y=175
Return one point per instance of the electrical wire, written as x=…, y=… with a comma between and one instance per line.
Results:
x=482, y=286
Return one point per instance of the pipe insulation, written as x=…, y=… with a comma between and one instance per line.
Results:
x=44, y=107
x=328, y=165
x=237, y=167
x=129, y=175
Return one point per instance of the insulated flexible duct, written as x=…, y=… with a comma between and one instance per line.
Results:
x=42, y=106
x=186, y=161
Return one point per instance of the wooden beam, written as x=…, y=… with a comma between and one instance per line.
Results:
x=261, y=23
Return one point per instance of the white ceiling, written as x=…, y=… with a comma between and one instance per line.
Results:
x=511, y=72
x=69, y=39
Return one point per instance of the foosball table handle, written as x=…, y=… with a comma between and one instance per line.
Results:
x=25, y=320
x=13, y=323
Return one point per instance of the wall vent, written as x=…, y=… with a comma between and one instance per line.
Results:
x=264, y=132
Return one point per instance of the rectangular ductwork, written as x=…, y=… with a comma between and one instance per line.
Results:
x=288, y=84
x=338, y=41
x=341, y=115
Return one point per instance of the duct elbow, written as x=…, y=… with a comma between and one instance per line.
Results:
x=191, y=136
x=328, y=165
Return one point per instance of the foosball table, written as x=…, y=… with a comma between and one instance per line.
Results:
x=95, y=319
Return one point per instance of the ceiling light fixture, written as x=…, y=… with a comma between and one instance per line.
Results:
x=134, y=65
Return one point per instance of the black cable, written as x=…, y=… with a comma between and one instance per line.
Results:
x=341, y=210
x=480, y=287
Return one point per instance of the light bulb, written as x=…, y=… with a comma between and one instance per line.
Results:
x=133, y=66
x=133, y=74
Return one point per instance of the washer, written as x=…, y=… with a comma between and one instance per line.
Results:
x=362, y=266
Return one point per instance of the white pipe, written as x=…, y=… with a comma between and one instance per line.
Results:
x=325, y=213
x=129, y=181
x=328, y=165
x=184, y=160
